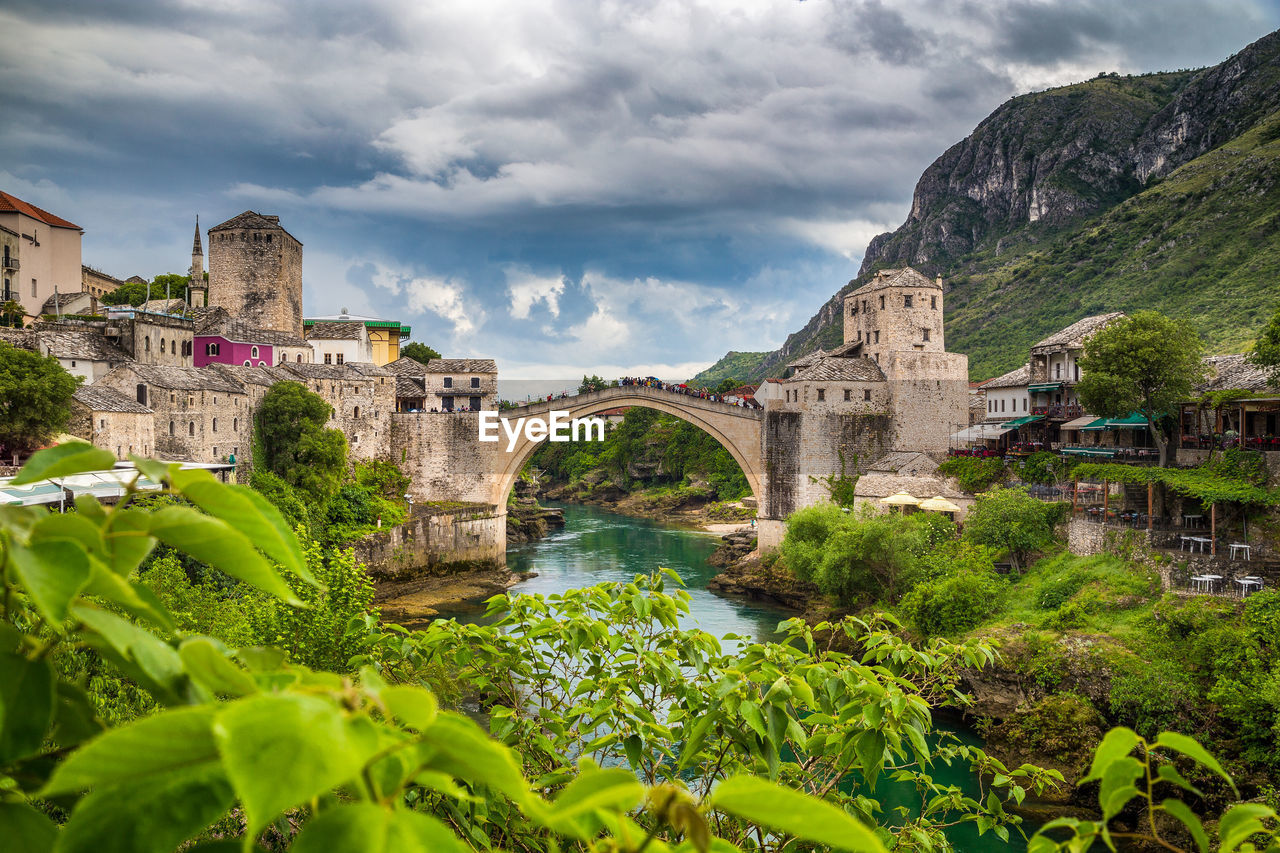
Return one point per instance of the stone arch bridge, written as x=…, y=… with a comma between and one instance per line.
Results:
x=447, y=462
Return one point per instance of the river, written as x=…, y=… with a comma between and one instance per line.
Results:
x=596, y=546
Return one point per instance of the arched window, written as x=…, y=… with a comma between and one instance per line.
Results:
x=147, y=345
x=299, y=358
x=254, y=352
x=356, y=412
x=191, y=428
x=170, y=427
x=235, y=424
x=162, y=347
x=248, y=363
x=215, y=424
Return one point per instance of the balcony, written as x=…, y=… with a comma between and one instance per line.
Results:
x=10, y=263
x=1064, y=412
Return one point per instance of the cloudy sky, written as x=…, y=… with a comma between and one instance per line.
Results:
x=565, y=185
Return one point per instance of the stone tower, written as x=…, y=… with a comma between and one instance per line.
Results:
x=897, y=311
x=255, y=272
x=198, y=290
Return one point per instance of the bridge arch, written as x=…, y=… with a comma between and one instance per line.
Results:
x=736, y=429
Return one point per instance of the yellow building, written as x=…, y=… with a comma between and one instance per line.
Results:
x=385, y=336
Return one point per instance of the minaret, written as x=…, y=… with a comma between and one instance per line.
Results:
x=198, y=284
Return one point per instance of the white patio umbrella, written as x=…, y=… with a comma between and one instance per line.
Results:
x=901, y=499
x=939, y=504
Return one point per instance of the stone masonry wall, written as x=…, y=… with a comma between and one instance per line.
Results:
x=441, y=455
x=434, y=539
x=781, y=453
x=193, y=426
x=121, y=433
x=259, y=282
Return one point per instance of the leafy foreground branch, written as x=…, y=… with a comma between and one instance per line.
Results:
x=611, y=727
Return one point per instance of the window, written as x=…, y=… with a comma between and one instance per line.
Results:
x=882, y=303
x=235, y=424
x=215, y=399
x=473, y=403
x=877, y=358
x=253, y=353
x=102, y=423
x=864, y=305
x=1002, y=405
x=248, y=363
x=448, y=382
x=162, y=346
x=877, y=334
x=475, y=381
x=990, y=406
x=1057, y=371
x=299, y=358
x=73, y=362
x=926, y=334
x=215, y=424
x=847, y=395
x=906, y=301
x=933, y=302
x=355, y=413
x=859, y=334
x=328, y=358
x=147, y=345
x=853, y=310
x=339, y=358
x=866, y=395
x=33, y=287
x=141, y=392
x=1077, y=373
x=822, y=394
x=1024, y=404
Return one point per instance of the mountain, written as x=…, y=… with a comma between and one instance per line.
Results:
x=1154, y=191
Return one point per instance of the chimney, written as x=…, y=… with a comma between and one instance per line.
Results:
x=938, y=280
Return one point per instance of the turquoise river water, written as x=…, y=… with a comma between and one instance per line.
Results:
x=596, y=546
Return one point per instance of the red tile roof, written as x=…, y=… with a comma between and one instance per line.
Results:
x=11, y=203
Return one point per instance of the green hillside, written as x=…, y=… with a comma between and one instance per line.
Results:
x=734, y=365
x=1204, y=244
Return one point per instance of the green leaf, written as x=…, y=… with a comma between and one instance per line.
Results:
x=72, y=457
x=152, y=816
x=26, y=705
x=1193, y=750
x=366, y=828
x=785, y=810
x=1118, y=785
x=1180, y=810
x=26, y=830
x=52, y=574
x=213, y=541
x=127, y=540
x=464, y=751
x=1117, y=743
x=248, y=512
x=413, y=706
x=134, y=597
x=75, y=719
x=870, y=748
x=206, y=664
x=1242, y=821
x=148, y=657
x=158, y=747
x=280, y=750
x=573, y=812
x=70, y=527
x=635, y=757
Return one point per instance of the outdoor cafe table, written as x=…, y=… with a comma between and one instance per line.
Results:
x=1192, y=520
x=1237, y=547
x=1192, y=542
x=1248, y=583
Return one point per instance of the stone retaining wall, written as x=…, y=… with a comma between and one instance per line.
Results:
x=436, y=541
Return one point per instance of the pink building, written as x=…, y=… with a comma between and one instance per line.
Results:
x=221, y=340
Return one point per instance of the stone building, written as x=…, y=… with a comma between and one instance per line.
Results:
x=1006, y=396
x=1055, y=369
x=255, y=272
x=452, y=384
x=50, y=252
x=82, y=350
x=108, y=419
x=96, y=282
x=151, y=338
x=384, y=337
x=891, y=387
x=200, y=415
x=363, y=397
x=81, y=302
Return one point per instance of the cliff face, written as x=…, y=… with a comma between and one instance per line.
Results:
x=1042, y=170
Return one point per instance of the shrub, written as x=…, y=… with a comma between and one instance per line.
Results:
x=1013, y=521
x=1064, y=727
x=851, y=557
x=954, y=604
x=975, y=474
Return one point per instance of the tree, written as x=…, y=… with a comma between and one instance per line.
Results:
x=11, y=314
x=35, y=398
x=592, y=383
x=130, y=293
x=418, y=352
x=1011, y=520
x=726, y=385
x=1146, y=363
x=1266, y=349
x=294, y=443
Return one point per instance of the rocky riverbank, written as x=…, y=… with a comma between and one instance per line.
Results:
x=414, y=603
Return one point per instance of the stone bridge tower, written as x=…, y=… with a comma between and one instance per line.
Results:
x=255, y=272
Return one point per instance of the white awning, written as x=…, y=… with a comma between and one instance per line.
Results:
x=981, y=432
x=1079, y=422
